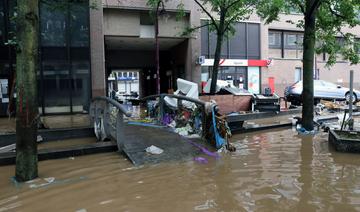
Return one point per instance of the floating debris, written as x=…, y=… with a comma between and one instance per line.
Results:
x=39, y=139
x=106, y=202
x=201, y=160
x=154, y=150
x=206, y=206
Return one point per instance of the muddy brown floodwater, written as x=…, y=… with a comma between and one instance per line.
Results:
x=271, y=171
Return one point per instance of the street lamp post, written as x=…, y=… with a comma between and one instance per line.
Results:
x=157, y=61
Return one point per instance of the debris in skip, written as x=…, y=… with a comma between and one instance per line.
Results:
x=185, y=114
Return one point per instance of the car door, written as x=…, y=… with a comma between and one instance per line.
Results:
x=331, y=91
x=319, y=90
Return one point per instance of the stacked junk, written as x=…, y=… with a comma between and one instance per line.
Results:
x=184, y=113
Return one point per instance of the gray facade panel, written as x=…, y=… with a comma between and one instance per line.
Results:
x=238, y=42
x=253, y=33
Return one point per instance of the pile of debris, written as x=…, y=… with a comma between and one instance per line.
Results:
x=333, y=115
x=187, y=118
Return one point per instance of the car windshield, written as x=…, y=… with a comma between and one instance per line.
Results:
x=317, y=83
x=329, y=84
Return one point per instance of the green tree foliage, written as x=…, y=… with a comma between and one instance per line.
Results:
x=223, y=15
x=323, y=22
x=332, y=16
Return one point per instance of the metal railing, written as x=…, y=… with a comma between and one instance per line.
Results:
x=107, y=115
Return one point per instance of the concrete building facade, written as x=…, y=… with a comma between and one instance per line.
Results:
x=123, y=31
x=81, y=46
x=281, y=47
x=282, y=44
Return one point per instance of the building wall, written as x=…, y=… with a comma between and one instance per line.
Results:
x=283, y=69
x=123, y=22
x=193, y=70
x=189, y=5
x=123, y=18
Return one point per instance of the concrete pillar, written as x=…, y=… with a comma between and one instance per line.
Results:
x=193, y=71
x=98, y=85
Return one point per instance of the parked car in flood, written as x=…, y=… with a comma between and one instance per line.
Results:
x=322, y=90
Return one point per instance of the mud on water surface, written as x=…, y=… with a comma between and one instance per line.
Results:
x=275, y=170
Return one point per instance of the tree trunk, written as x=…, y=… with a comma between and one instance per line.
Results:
x=308, y=67
x=27, y=109
x=219, y=40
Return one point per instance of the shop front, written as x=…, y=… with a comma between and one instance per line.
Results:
x=242, y=73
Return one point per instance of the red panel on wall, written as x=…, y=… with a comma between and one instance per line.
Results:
x=272, y=84
x=259, y=63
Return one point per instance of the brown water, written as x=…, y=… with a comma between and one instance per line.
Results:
x=271, y=171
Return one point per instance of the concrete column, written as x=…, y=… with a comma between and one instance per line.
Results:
x=98, y=85
x=193, y=71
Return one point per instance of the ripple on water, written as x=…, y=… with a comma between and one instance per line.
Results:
x=271, y=170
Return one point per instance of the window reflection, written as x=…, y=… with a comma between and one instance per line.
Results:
x=65, y=57
x=79, y=25
x=53, y=26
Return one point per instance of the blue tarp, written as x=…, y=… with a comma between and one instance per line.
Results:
x=220, y=141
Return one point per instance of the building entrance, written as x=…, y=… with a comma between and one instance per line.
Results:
x=124, y=53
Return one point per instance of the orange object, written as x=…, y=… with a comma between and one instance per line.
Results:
x=272, y=84
x=202, y=87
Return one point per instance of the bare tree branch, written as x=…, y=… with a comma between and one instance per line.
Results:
x=236, y=15
x=207, y=13
x=332, y=11
x=198, y=27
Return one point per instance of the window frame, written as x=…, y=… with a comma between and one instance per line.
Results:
x=275, y=45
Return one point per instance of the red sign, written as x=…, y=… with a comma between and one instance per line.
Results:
x=238, y=62
x=258, y=63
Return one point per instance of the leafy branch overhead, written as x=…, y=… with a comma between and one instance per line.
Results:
x=332, y=17
x=223, y=14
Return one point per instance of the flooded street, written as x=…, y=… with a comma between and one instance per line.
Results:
x=273, y=170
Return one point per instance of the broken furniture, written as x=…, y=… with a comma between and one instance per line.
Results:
x=270, y=103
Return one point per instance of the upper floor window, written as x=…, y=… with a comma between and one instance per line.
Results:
x=285, y=44
x=357, y=45
x=58, y=24
x=274, y=39
x=2, y=22
x=243, y=44
x=290, y=41
x=293, y=40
